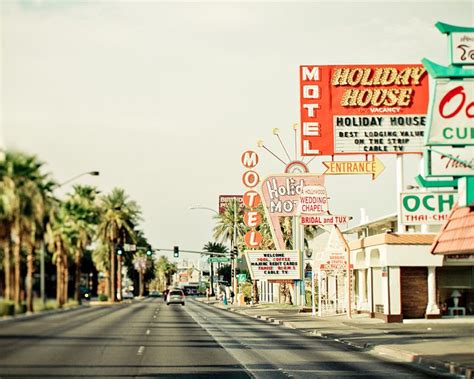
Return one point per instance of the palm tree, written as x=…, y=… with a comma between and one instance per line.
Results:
x=140, y=262
x=231, y=219
x=101, y=259
x=21, y=187
x=59, y=238
x=7, y=198
x=83, y=216
x=118, y=217
x=214, y=247
x=164, y=271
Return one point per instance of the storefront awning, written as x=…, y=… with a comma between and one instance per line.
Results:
x=457, y=234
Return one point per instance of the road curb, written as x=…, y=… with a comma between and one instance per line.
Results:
x=403, y=355
x=32, y=316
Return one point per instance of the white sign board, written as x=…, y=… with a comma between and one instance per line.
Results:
x=335, y=262
x=426, y=207
x=462, y=48
x=313, y=200
x=324, y=219
x=380, y=134
x=452, y=113
x=441, y=162
x=274, y=264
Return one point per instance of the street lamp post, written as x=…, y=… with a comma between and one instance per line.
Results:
x=211, y=271
x=43, y=248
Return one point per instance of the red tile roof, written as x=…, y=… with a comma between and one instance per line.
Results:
x=457, y=234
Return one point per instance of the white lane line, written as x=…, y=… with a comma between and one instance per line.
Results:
x=148, y=332
x=141, y=349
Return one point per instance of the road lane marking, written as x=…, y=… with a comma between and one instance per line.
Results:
x=141, y=349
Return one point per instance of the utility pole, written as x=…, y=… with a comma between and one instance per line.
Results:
x=234, y=260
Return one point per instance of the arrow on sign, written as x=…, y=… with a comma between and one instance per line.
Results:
x=373, y=167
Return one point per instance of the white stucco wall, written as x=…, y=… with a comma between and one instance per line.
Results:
x=395, y=256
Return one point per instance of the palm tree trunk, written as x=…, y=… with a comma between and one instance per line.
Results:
x=17, y=261
x=78, y=275
x=112, y=274
x=107, y=283
x=7, y=268
x=58, y=282
x=255, y=292
x=66, y=279
x=119, y=277
x=29, y=279
x=141, y=282
x=59, y=274
x=29, y=269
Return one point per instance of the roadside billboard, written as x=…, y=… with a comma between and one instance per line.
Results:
x=450, y=161
x=224, y=200
x=281, y=196
x=274, y=264
x=452, y=113
x=432, y=208
x=363, y=109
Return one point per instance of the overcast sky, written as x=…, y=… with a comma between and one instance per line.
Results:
x=163, y=97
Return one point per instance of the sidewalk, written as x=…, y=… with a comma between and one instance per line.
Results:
x=444, y=344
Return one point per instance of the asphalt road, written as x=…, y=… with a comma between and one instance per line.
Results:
x=149, y=339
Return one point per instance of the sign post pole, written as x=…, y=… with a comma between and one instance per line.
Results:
x=313, y=305
x=349, y=279
x=400, y=225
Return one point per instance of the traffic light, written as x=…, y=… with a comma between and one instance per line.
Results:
x=149, y=251
x=176, y=251
x=119, y=250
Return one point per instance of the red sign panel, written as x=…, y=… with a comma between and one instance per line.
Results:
x=366, y=109
x=224, y=199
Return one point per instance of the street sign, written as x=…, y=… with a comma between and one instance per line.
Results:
x=373, y=167
x=241, y=278
x=426, y=207
x=218, y=260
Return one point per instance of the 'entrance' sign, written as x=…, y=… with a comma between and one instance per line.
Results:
x=373, y=167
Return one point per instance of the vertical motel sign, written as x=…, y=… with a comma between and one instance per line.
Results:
x=450, y=137
x=251, y=199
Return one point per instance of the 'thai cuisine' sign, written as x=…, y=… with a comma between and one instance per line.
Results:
x=363, y=109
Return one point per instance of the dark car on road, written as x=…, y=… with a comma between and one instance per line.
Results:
x=175, y=296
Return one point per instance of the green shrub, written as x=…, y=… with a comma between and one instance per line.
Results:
x=103, y=297
x=20, y=309
x=7, y=308
x=246, y=289
x=71, y=303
